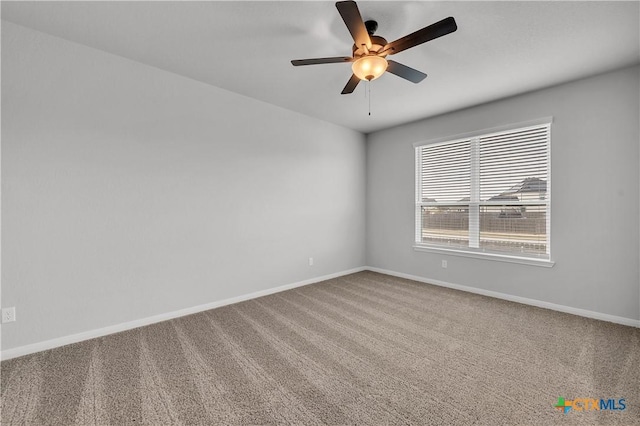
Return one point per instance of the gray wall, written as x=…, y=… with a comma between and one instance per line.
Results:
x=129, y=192
x=595, y=187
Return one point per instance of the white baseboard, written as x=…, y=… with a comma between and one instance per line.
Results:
x=91, y=334
x=524, y=300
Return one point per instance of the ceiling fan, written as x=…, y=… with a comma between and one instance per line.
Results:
x=370, y=51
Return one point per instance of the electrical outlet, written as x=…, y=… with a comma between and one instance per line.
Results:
x=9, y=314
x=444, y=264
x=311, y=261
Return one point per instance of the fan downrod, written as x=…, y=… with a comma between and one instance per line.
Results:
x=371, y=26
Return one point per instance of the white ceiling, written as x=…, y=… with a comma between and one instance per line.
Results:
x=500, y=48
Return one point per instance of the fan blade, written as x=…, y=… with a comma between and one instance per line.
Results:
x=351, y=85
x=439, y=29
x=405, y=72
x=352, y=19
x=316, y=61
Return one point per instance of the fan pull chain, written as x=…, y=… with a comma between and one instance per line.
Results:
x=369, y=89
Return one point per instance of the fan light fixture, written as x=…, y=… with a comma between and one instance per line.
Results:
x=369, y=67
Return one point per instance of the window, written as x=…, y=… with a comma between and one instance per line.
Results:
x=486, y=194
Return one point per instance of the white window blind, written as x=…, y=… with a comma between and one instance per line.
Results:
x=488, y=193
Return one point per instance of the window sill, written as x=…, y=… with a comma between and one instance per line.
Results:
x=487, y=256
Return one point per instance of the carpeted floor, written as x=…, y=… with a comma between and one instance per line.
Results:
x=365, y=349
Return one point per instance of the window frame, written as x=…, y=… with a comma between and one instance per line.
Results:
x=479, y=253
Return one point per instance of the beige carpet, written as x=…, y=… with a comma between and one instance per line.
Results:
x=365, y=349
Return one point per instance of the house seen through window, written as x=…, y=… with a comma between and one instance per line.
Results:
x=486, y=194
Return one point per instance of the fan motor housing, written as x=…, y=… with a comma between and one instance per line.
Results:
x=377, y=44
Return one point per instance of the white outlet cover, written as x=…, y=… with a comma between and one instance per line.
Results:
x=9, y=314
